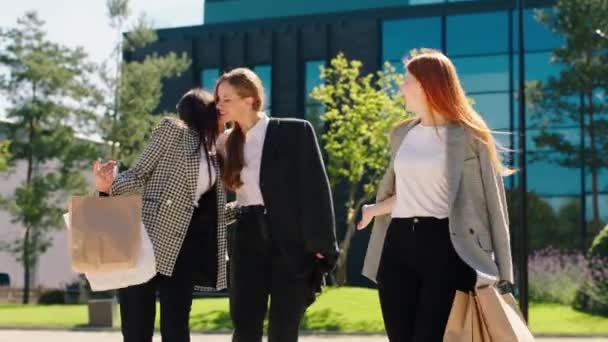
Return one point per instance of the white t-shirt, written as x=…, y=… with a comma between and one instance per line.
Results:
x=421, y=174
x=250, y=192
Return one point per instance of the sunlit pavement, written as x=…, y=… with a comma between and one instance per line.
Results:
x=12, y=335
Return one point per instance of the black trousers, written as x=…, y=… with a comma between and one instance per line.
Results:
x=418, y=276
x=194, y=262
x=257, y=271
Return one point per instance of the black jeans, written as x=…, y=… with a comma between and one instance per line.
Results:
x=257, y=271
x=418, y=276
x=138, y=303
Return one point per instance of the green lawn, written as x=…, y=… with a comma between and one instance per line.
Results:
x=344, y=309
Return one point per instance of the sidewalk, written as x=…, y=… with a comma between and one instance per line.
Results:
x=95, y=336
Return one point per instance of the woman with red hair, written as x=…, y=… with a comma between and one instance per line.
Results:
x=441, y=221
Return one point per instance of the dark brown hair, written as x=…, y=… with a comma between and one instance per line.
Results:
x=247, y=84
x=197, y=110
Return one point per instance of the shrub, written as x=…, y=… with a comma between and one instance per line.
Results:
x=555, y=276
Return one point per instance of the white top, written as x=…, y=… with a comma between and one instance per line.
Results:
x=421, y=174
x=250, y=193
x=202, y=184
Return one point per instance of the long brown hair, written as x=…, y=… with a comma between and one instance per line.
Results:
x=247, y=84
x=197, y=110
x=446, y=97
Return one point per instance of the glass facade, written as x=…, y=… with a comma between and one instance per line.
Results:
x=264, y=72
x=482, y=41
x=209, y=77
x=220, y=11
x=487, y=63
x=312, y=78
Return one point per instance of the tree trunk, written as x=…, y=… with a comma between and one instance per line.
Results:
x=352, y=209
x=117, y=80
x=28, y=182
x=26, y=267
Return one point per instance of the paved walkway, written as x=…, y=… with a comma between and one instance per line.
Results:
x=101, y=336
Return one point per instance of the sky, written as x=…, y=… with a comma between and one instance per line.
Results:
x=84, y=22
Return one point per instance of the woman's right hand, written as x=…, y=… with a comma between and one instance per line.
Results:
x=104, y=175
x=366, y=216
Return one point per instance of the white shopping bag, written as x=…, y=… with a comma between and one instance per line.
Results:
x=144, y=270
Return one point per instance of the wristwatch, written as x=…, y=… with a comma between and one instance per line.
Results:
x=505, y=286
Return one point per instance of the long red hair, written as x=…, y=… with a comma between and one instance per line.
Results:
x=446, y=97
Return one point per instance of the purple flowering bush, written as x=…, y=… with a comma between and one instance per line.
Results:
x=555, y=276
x=592, y=296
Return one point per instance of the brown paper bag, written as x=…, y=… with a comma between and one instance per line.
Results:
x=105, y=233
x=502, y=316
x=465, y=323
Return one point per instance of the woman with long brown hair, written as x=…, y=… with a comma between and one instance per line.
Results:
x=441, y=221
x=285, y=221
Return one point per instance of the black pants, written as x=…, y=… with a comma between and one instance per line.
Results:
x=257, y=271
x=418, y=276
x=194, y=262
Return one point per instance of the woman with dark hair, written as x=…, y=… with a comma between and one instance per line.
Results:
x=284, y=236
x=183, y=211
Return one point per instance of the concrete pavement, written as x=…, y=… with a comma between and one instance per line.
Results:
x=111, y=336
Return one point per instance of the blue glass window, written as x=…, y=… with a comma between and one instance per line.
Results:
x=479, y=74
x=477, y=33
x=312, y=78
x=264, y=72
x=547, y=178
x=537, y=36
x=209, y=77
x=399, y=37
x=494, y=108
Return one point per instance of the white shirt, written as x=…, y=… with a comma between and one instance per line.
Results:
x=421, y=173
x=202, y=184
x=250, y=193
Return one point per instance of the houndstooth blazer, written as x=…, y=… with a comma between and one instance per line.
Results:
x=166, y=175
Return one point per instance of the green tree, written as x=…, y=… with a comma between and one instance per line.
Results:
x=49, y=93
x=360, y=111
x=547, y=227
x=4, y=146
x=577, y=93
x=133, y=88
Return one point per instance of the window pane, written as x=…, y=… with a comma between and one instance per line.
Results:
x=569, y=135
x=539, y=66
x=479, y=74
x=547, y=178
x=471, y=33
x=425, y=2
x=209, y=77
x=536, y=35
x=401, y=36
x=602, y=180
x=602, y=204
x=494, y=108
x=312, y=78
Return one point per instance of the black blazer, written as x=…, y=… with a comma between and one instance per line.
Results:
x=297, y=195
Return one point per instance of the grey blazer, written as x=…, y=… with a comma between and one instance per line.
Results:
x=478, y=218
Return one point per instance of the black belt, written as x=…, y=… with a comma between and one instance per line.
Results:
x=250, y=210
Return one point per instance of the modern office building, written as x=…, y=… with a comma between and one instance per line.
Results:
x=286, y=42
